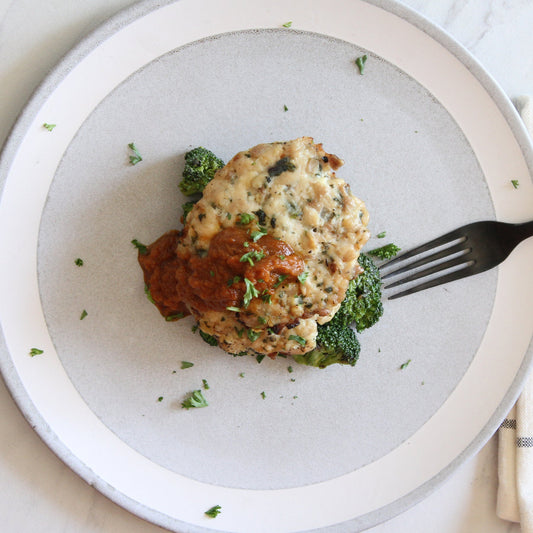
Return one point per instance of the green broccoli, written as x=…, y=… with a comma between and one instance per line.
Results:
x=362, y=305
x=336, y=343
x=385, y=252
x=200, y=167
x=187, y=208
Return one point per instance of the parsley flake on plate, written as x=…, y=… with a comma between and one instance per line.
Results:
x=214, y=511
x=360, y=62
x=195, y=400
x=35, y=351
x=405, y=365
x=186, y=364
x=136, y=158
x=49, y=127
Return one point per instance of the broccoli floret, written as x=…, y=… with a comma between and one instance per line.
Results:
x=335, y=343
x=200, y=167
x=362, y=305
x=187, y=208
x=385, y=252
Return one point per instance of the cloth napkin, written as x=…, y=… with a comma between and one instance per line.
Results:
x=515, y=436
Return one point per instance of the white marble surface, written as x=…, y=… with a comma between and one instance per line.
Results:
x=38, y=492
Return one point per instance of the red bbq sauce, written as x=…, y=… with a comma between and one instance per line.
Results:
x=215, y=279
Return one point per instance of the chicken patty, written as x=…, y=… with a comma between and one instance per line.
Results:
x=268, y=251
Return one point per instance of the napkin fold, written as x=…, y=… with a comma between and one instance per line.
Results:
x=515, y=436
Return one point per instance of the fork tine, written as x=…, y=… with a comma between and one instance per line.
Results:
x=452, y=276
x=459, y=247
x=439, y=241
x=456, y=261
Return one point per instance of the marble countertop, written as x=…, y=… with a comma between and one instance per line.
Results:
x=40, y=493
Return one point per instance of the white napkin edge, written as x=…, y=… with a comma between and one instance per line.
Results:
x=515, y=444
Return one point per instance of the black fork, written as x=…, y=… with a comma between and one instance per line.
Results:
x=466, y=251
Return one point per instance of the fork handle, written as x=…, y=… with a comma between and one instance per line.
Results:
x=523, y=231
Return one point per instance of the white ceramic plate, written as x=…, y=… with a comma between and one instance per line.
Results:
x=429, y=142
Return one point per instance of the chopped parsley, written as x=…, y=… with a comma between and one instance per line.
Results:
x=252, y=334
x=290, y=369
x=233, y=280
x=285, y=108
x=298, y=339
x=281, y=279
x=405, y=365
x=385, y=252
x=186, y=364
x=254, y=255
x=241, y=374
x=214, y=511
x=381, y=235
x=256, y=235
x=195, y=400
x=263, y=395
x=143, y=250
x=515, y=183
x=303, y=276
x=83, y=314
x=78, y=262
x=259, y=357
x=148, y=294
x=281, y=166
x=35, y=351
x=251, y=292
x=172, y=318
x=160, y=399
x=205, y=384
x=49, y=127
x=136, y=158
x=360, y=62
x=245, y=218
x=287, y=24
